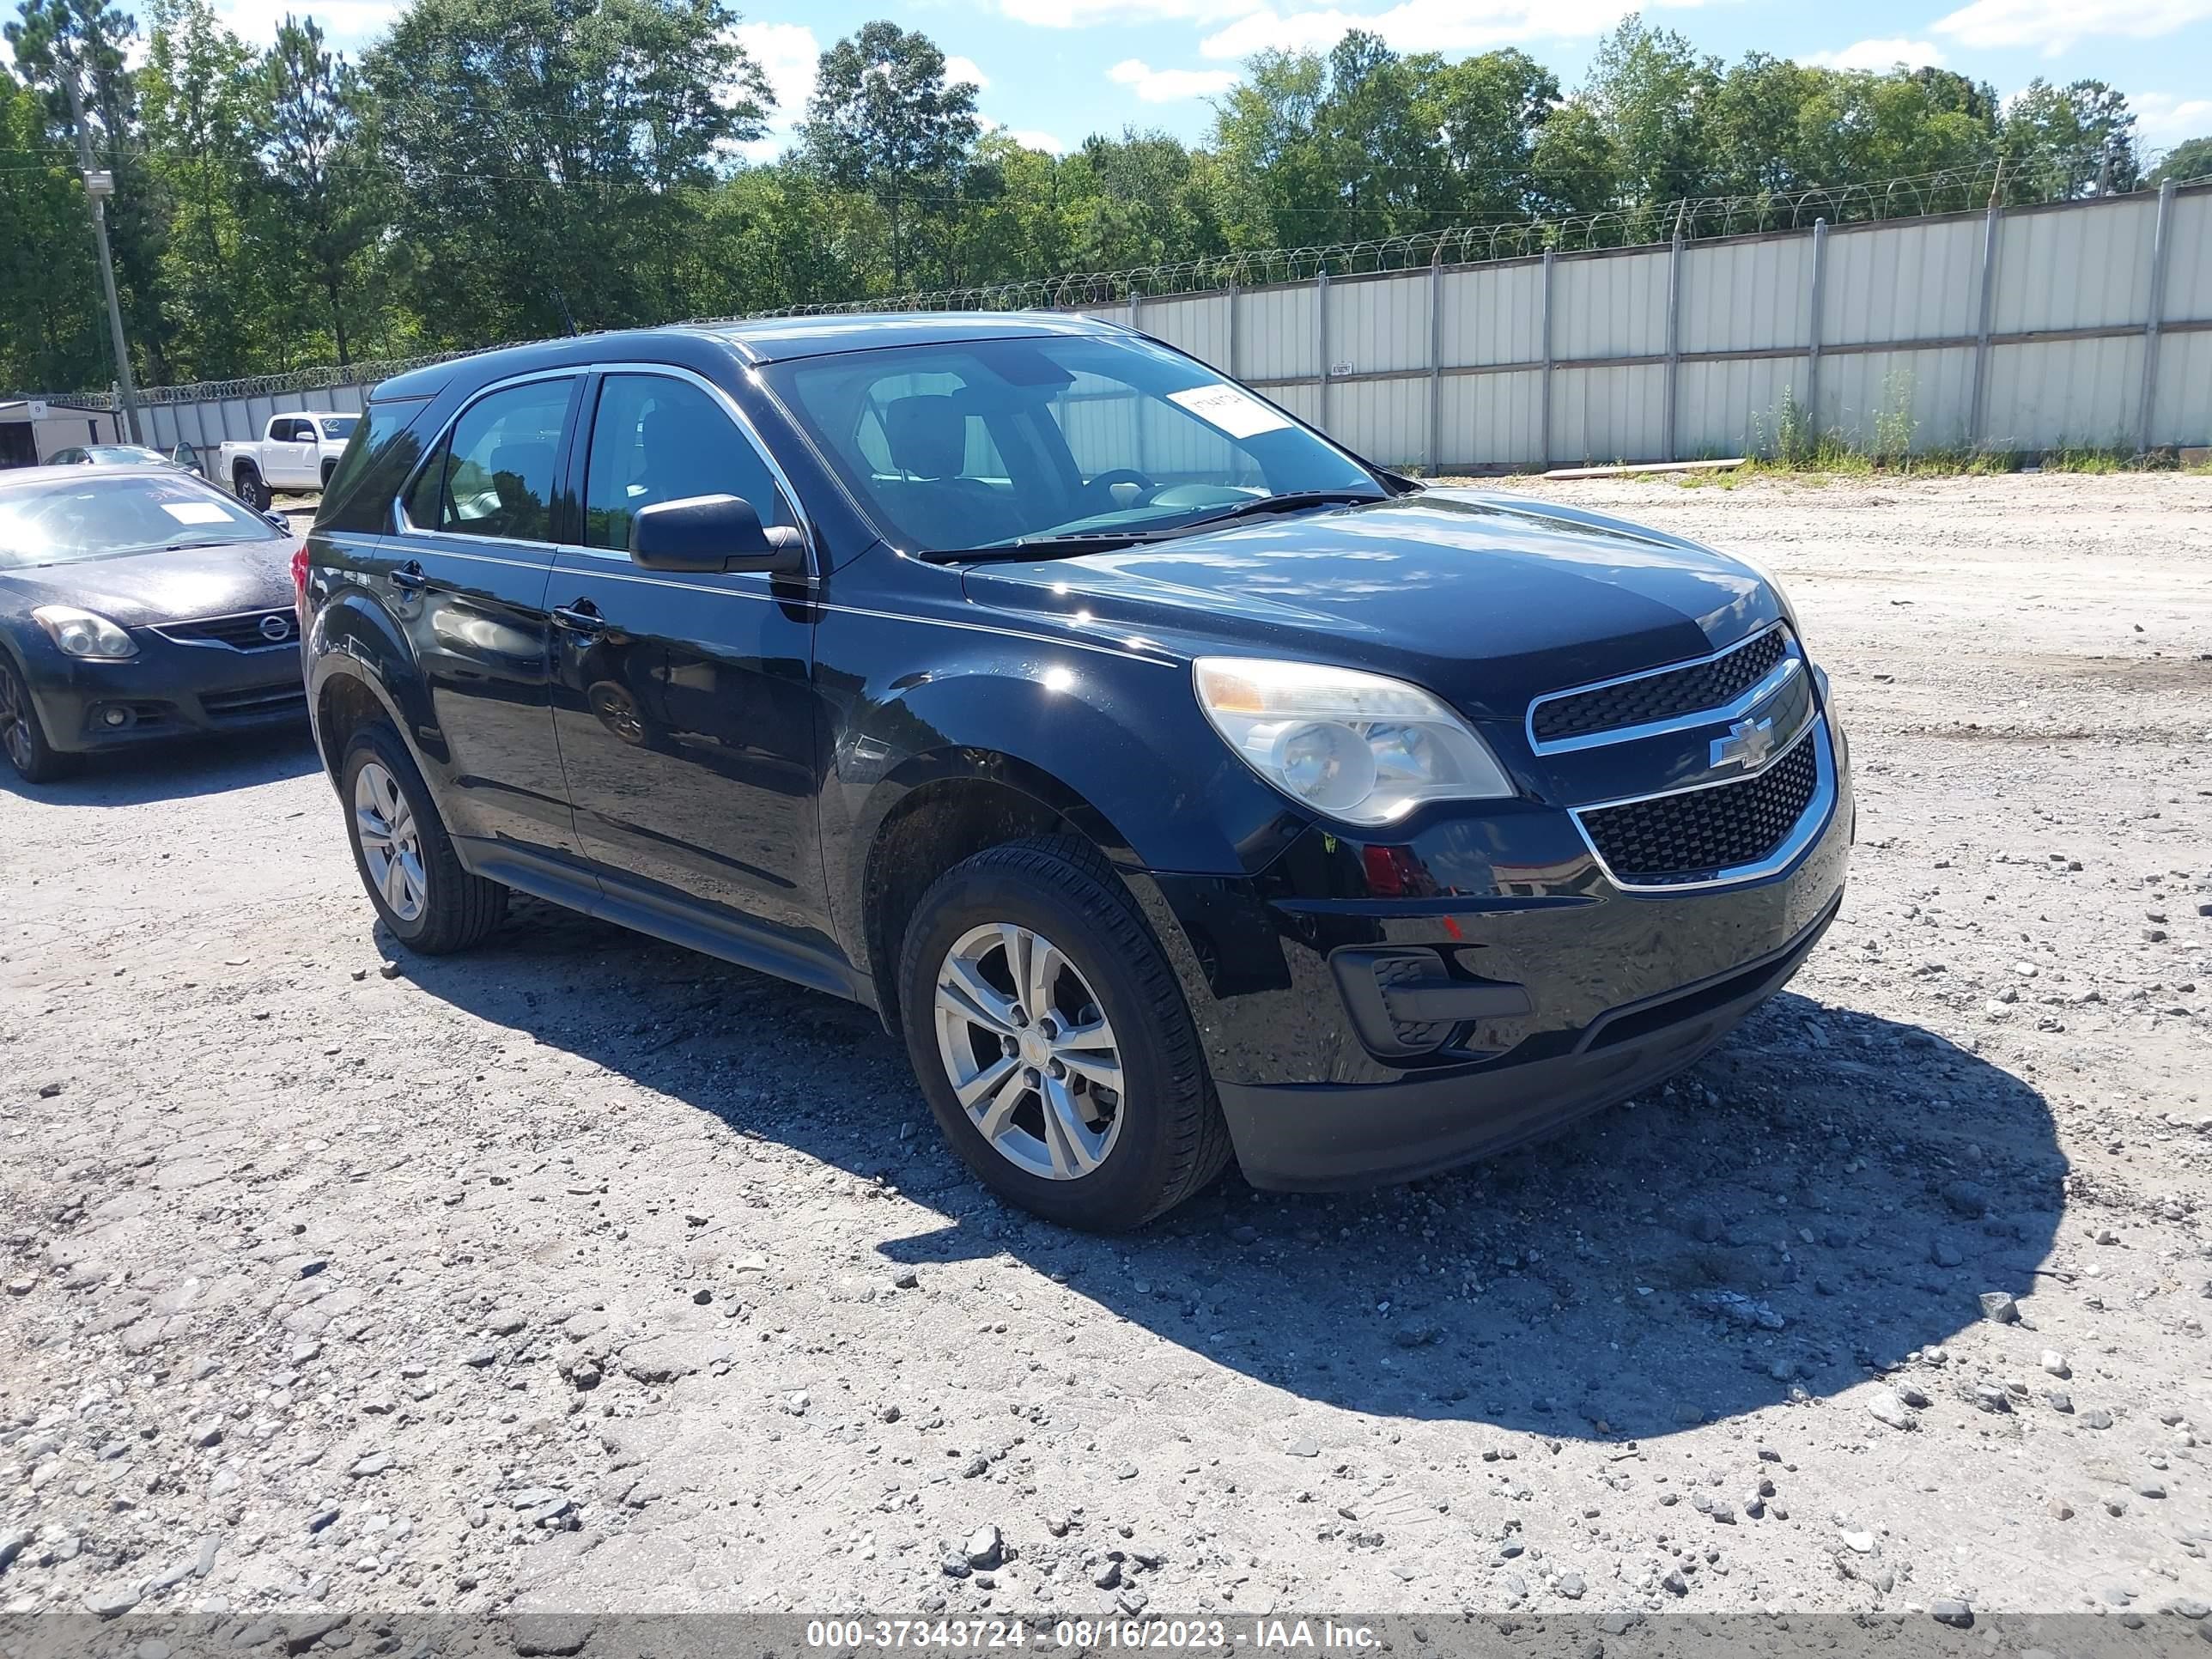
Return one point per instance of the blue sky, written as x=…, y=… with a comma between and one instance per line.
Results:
x=1055, y=70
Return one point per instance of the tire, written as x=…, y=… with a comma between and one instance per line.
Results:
x=434, y=906
x=1136, y=1150
x=251, y=488
x=23, y=735
x=329, y=467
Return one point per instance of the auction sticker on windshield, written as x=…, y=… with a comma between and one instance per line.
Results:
x=1229, y=410
x=195, y=512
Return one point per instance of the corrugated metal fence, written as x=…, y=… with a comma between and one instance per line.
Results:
x=2078, y=324
x=2075, y=324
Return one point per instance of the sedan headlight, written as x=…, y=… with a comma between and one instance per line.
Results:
x=84, y=633
x=1355, y=746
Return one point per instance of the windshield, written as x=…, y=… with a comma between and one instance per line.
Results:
x=93, y=517
x=989, y=443
x=340, y=426
x=126, y=455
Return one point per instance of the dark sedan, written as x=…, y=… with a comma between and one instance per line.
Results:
x=138, y=604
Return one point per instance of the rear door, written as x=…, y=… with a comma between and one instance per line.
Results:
x=468, y=580
x=684, y=704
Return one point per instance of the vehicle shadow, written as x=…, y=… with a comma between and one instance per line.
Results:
x=176, y=771
x=1824, y=1194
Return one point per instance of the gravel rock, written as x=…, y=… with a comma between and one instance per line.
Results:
x=1999, y=1307
x=1952, y=1611
x=985, y=1548
x=1887, y=1407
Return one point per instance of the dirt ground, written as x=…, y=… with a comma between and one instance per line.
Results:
x=585, y=1274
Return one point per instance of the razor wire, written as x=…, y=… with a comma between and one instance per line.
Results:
x=1966, y=187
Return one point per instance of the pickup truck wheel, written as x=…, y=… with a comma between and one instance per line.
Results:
x=1053, y=1041
x=329, y=467
x=406, y=860
x=251, y=489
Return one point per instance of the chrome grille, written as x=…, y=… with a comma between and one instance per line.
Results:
x=1669, y=694
x=1702, y=834
x=250, y=630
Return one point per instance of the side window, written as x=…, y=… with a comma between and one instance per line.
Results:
x=290, y=432
x=496, y=471
x=430, y=488
x=658, y=439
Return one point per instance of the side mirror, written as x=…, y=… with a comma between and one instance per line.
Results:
x=713, y=532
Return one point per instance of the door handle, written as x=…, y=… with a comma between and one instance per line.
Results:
x=582, y=618
x=409, y=578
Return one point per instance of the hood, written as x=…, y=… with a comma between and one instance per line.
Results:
x=1488, y=601
x=141, y=588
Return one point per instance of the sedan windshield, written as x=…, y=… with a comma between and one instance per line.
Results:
x=93, y=517
x=998, y=444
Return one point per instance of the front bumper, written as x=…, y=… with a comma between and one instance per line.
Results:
x=167, y=690
x=1560, y=992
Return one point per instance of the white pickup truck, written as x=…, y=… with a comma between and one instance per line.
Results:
x=296, y=451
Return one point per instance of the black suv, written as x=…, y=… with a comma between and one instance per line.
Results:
x=1175, y=783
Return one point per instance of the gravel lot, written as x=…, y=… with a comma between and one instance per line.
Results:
x=585, y=1274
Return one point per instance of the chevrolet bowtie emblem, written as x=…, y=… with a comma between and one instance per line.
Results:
x=1748, y=744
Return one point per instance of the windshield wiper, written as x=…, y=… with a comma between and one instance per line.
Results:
x=1051, y=547
x=1291, y=501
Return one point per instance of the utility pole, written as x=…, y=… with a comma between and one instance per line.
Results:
x=99, y=186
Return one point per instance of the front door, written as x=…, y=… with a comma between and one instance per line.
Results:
x=290, y=455
x=684, y=704
x=467, y=580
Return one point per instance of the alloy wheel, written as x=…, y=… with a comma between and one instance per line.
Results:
x=16, y=721
x=390, y=840
x=1029, y=1051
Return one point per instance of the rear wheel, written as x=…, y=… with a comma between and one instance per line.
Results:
x=406, y=860
x=22, y=736
x=251, y=487
x=329, y=467
x=1053, y=1041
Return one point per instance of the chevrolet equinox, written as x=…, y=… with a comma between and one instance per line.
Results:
x=1175, y=784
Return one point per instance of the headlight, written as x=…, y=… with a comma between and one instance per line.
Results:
x=84, y=633
x=1355, y=746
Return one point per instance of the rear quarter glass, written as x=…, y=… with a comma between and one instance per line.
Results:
x=383, y=450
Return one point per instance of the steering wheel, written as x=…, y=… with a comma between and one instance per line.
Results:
x=1100, y=488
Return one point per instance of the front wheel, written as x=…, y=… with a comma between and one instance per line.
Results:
x=406, y=860
x=22, y=735
x=1053, y=1041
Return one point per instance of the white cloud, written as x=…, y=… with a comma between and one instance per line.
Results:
x=1083, y=14
x=1154, y=85
x=964, y=69
x=2053, y=25
x=788, y=55
x=347, y=26
x=1880, y=55
x=1425, y=25
x=1033, y=138
x=2163, y=120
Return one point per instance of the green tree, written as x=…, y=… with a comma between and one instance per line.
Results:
x=554, y=158
x=52, y=334
x=1653, y=95
x=199, y=101
x=314, y=164
x=2189, y=159
x=2075, y=140
x=54, y=40
x=884, y=121
x=1493, y=111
